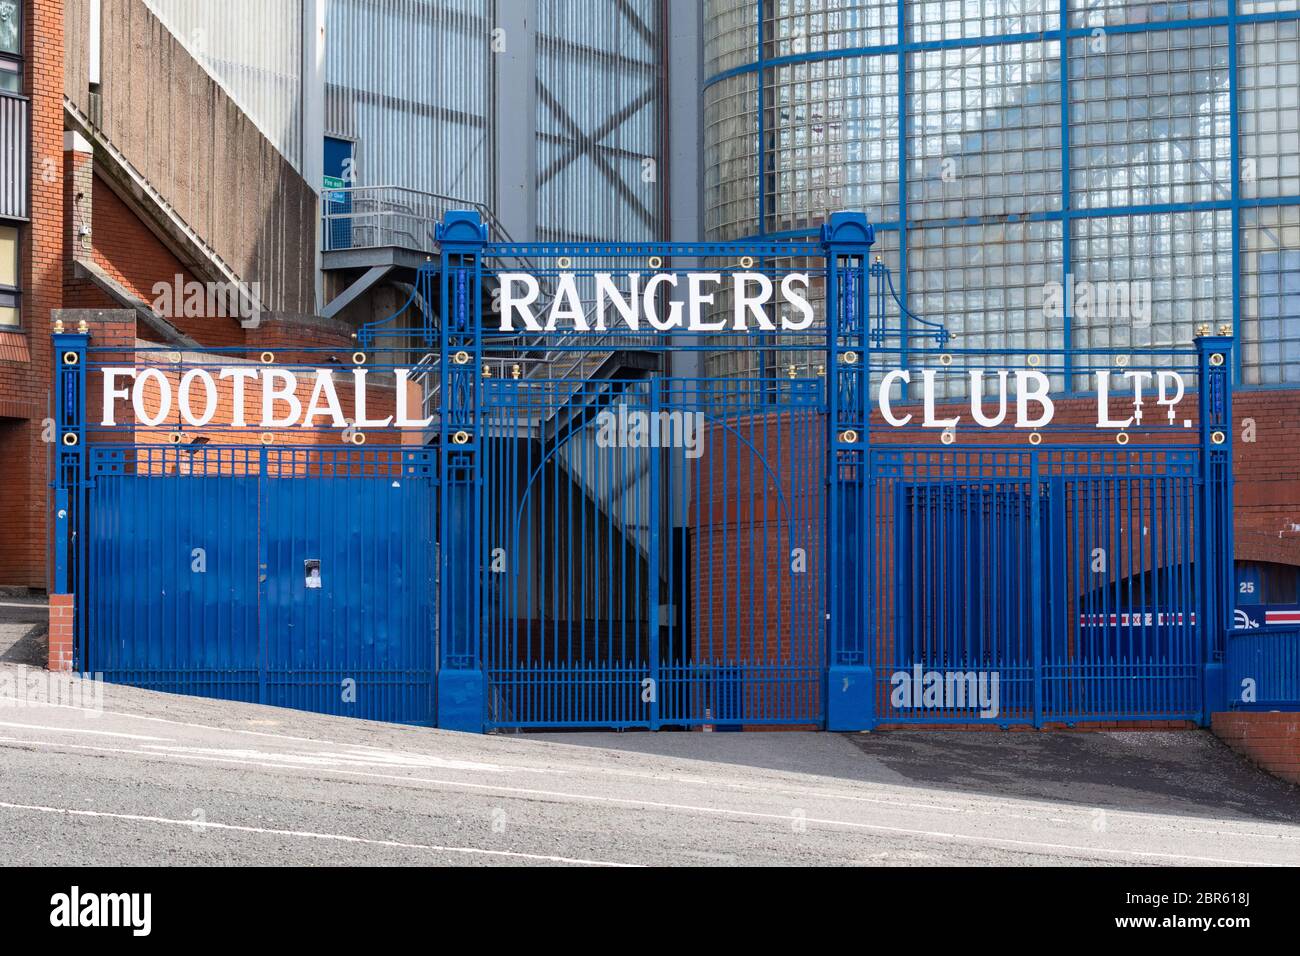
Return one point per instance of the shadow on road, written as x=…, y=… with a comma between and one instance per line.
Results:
x=1183, y=772
x=24, y=631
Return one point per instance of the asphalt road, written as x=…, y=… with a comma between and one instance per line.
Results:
x=159, y=779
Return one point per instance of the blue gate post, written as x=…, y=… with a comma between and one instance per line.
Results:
x=461, y=236
x=68, y=481
x=1215, y=537
x=850, y=688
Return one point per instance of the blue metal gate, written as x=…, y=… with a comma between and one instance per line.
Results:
x=1025, y=564
x=639, y=587
x=625, y=541
x=635, y=585
x=294, y=575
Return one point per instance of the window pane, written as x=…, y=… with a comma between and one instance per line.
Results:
x=8, y=316
x=9, y=256
x=9, y=33
x=1270, y=296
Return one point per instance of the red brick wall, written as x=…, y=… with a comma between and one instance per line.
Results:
x=127, y=250
x=282, y=334
x=1272, y=741
x=24, y=383
x=1268, y=476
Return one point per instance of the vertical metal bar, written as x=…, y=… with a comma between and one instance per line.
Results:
x=69, y=480
x=262, y=571
x=1036, y=603
x=1067, y=253
x=461, y=693
x=654, y=456
x=1215, y=541
x=849, y=683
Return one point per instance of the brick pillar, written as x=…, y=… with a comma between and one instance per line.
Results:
x=61, y=631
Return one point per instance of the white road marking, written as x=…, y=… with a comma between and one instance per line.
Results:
x=995, y=807
x=326, y=758
x=992, y=807
x=984, y=806
x=692, y=808
x=262, y=733
x=78, y=730
x=305, y=834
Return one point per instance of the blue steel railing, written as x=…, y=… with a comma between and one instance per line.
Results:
x=1263, y=668
x=927, y=329
x=782, y=564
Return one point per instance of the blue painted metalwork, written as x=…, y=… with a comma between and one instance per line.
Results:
x=1022, y=563
x=1263, y=668
x=602, y=602
x=461, y=689
x=297, y=572
x=1216, y=528
x=850, y=681
x=69, y=479
x=422, y=302
x=622, y=547
x=199, y=583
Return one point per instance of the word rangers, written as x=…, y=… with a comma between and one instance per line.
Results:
x=750, y=293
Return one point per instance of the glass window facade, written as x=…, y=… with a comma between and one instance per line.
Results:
x=1176, y=267
x=1149, y=118
x=832, y=134
x=11, y=30
x=9, y=315
x=1268, y=99
x=1004, y=146
x=1270, y=300
x=984, y=131
x=731, y=158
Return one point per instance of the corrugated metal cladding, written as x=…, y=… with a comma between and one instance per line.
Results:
x=411, y=82
x=14, y=178
x=599, y=120
x=254, y=49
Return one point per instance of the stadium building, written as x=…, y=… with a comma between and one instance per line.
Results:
x=991, y=185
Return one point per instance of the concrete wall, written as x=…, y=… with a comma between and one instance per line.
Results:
x=188, y=139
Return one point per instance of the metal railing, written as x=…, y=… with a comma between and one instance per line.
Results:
x=376, y=217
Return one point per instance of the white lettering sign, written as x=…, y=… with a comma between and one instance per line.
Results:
x=1034, y=407
x=749, y=294
x=195, y=399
